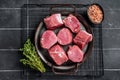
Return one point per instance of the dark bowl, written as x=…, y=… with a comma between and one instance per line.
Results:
x=100, y=9
x=68, y=67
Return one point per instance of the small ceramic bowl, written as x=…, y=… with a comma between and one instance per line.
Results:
x=93, y=16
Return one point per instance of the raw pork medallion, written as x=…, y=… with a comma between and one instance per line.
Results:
x=58, y=54
x=75, y=54
x=64, y=36
x=53, y=21
x=82, y=38
x=48, y=39
x=72, y=23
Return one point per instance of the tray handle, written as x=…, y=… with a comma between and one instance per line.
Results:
x=62, y=11
x=65, y=71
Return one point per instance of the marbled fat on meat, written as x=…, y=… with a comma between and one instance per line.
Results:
x=58, y=54
x=82, y=38
x=72, y=23
x=53, y=21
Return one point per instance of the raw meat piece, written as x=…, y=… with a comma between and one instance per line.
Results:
x=58, y=54
x=73, y=23
x=53, y=21
x=64, y=36
x=48, y=39
x=75, y=54
x=82, y=38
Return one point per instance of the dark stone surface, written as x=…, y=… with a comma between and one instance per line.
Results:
x=110, y=38
x=12, y=3
x=107, y=4
x=57, y=77
x=12, y=75
x=110, y=75
x=61, y=1
x=10, y=39
x=10, y=60
x=111, y=59
x=10, y=17
x=111, y=19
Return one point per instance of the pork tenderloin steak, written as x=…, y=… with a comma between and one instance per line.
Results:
x=48, y=39
x=53, y=21
x=82, y=38
x=58, y=54
x=72, y=23
x=75, y=54
x=64, y=36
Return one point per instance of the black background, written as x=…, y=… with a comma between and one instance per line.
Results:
x=10, y=23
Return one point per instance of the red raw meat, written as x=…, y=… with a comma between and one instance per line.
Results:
x=75, y=54
x=53, y=21
x=82, y=38
x=48, y=39
x=64, y=36
x=73, y=23
x=58, y=54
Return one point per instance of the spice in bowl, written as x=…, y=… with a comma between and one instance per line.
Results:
x=95, y=13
